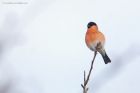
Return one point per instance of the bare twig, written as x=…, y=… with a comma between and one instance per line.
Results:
x=86, y=79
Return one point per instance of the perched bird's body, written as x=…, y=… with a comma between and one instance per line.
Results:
x=95, y=40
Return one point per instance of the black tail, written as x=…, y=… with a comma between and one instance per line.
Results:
x=106, y=59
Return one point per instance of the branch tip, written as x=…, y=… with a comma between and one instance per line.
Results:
x=82, y=85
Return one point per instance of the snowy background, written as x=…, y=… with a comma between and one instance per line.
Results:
x=42, y=47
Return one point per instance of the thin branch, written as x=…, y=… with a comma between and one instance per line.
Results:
x=84, y=76
x=86, y=79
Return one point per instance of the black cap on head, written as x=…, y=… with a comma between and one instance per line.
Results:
x=91, y=24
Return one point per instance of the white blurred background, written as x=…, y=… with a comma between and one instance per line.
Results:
x=42, y=47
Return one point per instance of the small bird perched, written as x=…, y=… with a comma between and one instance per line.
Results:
x=95, y=40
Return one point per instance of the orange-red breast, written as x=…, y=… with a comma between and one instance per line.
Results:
x=95, y=40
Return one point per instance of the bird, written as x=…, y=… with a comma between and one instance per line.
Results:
x=95, y=41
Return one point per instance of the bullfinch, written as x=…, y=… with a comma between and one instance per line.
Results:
x=95, y=40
